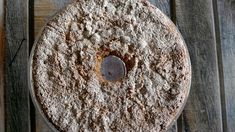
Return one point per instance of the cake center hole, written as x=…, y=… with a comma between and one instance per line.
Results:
x=113, y=68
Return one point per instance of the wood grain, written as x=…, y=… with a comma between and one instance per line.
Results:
x=16, y=59
x=163, y=5
x=43, y=11
x=196, y=23
x=1, y=67
x=41, y=125
x=225, y=19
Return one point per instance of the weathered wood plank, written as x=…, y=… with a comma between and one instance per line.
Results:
x=173, y=128
x=43, y=11
x=225, y=19
x=1, y=68
x=163, y=5
x=196, y=23
x=41, y=125
x=16, y=59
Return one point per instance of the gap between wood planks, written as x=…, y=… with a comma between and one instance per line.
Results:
x=224, y=14
x=31, y=42
x=1, y=66
x=220, y=65
x=196, y=23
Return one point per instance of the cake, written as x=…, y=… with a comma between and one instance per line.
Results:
x=72, y=55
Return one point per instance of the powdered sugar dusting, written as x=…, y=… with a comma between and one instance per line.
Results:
x=69, y=52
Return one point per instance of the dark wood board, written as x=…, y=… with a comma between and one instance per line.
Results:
x=1, y=67
x=225, y=22
x=17, y=117
x=196, y=22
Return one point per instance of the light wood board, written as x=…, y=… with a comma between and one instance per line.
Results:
x=225, y=32
x=196, y=23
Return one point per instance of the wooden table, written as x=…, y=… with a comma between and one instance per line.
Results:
x=208, y=27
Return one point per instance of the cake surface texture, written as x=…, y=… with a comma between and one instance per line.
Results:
x=66, y=62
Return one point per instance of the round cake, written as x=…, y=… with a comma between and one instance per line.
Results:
x=110, y=65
